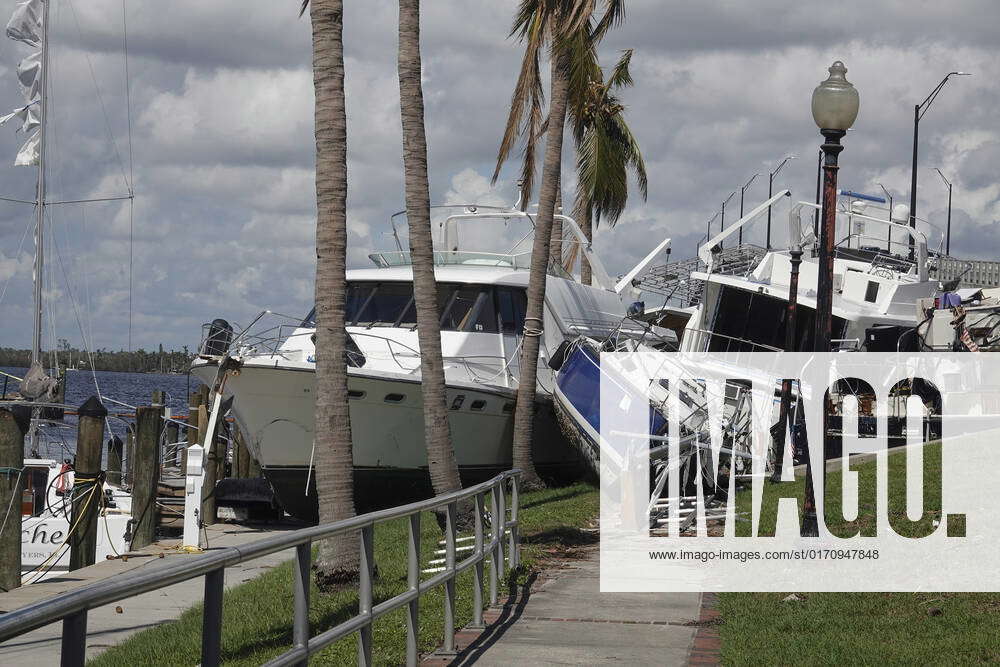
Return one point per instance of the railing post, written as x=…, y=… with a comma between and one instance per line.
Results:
x=74, y=640
x=365, y=596
x=496, y=556
x=477, y=585
x=514, y=545
x=449, y=584
x=501, y=520
x=300, y=628
x=413, y=583
x=211, y=620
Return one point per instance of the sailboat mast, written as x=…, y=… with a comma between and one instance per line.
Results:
x=36, y=340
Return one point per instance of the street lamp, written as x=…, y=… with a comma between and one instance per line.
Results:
x=723, y=227
x=918, y=113
x=770, y=193
x=947, y=237
x=835, y=104
x=742, y=191
x=888, y=239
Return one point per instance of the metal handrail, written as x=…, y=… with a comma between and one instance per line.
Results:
x=71, y=607
x=705, y=339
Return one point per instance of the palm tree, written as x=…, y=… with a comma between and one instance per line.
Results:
x=606, y=151
x=568, y=28
x=440, y=454
x=338, y=558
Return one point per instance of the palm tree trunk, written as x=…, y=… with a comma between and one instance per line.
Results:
x=440, y=455
x=338, y=557
x=587, y=227
x=525, y=411
x=555, y=250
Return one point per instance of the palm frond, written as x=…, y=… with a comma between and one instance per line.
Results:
x=620, y=75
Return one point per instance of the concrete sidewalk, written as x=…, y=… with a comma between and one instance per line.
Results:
x=567, y=621
x=106, y=626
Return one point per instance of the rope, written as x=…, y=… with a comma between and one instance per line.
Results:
x=532, y=331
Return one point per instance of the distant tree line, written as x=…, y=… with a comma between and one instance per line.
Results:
x=136, y=361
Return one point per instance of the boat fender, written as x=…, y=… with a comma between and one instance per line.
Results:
x=62, y=480
x=559, y=356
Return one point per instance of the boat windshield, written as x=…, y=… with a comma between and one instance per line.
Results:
x=462, y=307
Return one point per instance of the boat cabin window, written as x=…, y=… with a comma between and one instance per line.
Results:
x=462, y=307
x=746, y=319
x=511, y=304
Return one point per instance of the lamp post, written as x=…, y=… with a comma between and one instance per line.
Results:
x=918, y=113
x=742, y=192
x=888, y=239
x=723, y=223
x=835, y=104
x=947, y=236
x=778, y=436
x=770, y=193
x=708, y=236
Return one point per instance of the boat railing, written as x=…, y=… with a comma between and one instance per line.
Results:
x=521, y=260
x=712, y=341
x=492, y=528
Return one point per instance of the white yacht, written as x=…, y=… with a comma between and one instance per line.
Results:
x=270, y=372
x=882, y=274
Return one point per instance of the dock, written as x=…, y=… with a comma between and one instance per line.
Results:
x=115, y=623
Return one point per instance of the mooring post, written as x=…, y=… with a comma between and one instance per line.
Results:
x=158, y=398
x=116, y=450
x=12, y=430
x=211, y=470
x=191, y=430
x=128, y=463
x=145, y=474
x=173, y=438
x=88, y=484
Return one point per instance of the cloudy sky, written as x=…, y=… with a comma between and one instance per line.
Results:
x=222, y=151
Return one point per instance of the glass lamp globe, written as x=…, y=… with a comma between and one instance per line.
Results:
x=835, y=102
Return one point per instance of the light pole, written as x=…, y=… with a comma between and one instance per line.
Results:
x=835, y=104
x=708, y=236
x=918, y=113
x=770, y=193
x=947, y=236
x=723, y=223
x=742, y=192
x=888, y=239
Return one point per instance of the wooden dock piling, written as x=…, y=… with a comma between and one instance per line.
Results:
x=88, y=488
x=12, y=432
x=116, y=453
x=145, y=471
x=173, y=438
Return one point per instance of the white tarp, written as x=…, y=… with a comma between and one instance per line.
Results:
x=26, y=23
x=26, y=26
x=29, y=76
x=28, y=155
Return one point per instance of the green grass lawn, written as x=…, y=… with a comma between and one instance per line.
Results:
x=861, y=628
x=257, y=615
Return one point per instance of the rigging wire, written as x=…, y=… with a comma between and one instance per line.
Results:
x=131, y=174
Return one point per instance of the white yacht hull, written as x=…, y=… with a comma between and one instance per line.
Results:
x=274, y=406
x=43, y=536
